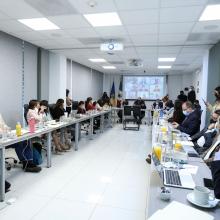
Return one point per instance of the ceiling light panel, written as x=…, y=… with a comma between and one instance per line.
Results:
x=103, y=19
x=211, y=13
x=166, y=59
x=164, y=67
x=97, y=60
x=109, y=67
x=39, y=24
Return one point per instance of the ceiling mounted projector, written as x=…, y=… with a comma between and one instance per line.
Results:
x=111, y=46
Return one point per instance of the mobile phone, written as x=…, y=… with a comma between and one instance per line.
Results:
x=208, y=183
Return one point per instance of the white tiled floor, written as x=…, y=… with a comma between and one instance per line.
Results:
x=105, y=180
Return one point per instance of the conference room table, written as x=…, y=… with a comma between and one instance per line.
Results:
x=178, y=194
x=47, y=130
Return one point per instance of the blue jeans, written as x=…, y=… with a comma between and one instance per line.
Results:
x=23, y=151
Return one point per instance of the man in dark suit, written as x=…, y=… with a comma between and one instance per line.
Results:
x=192, y=95
x=182, y=97
x=215, y=168
x=191, y=124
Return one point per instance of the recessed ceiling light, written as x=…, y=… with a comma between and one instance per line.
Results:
x=109, y=67
x=39, y=24
x=211, y=12
x=98, y=60
x=167, y=59
x=103, y=19
x=164, y=67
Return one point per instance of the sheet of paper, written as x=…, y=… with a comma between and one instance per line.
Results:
x=173, y=210
x=187, y=143
x=190, y=168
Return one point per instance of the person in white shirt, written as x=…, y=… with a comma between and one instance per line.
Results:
x=23, y=151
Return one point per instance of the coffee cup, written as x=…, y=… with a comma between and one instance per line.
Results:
x=202, y=195
x=66, y=114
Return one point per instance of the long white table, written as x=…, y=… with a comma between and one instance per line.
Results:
x=178, y=194
x=47, y=130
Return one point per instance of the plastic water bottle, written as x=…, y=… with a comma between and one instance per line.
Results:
x=161, y=113
x=31, y=124
x=18, y=129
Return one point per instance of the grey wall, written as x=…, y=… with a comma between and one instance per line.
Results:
x=11, y=77
x=86, y=82
x=213, y=72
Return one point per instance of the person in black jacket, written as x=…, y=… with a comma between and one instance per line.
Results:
x=215, y=168
x=191, y=124
x=140, y=103
x=59, y=110
x=182, y=97
x=192, y=95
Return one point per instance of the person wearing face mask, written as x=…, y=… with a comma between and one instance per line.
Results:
x=216, y=105
x=191, y=124
x=191, y=95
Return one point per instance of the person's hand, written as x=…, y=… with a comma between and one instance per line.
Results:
x=211, y=126
x=175, y=124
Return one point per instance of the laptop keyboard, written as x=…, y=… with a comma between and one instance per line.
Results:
x=172, y=177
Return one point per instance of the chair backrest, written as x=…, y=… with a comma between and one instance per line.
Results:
x=137, y=111
x=75, y=105
x=128, y=110
x=51, y=108
x=25, y=112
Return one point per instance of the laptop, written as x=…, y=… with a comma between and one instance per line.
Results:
x=180, y=178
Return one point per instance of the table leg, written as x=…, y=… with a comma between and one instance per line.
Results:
x=91, y=128
x=102, y=123
x=76, y=136
x=62, y=131
x=110, y=119
x=49, y=149
x=2, y=174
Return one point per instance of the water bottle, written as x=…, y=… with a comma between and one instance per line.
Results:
x=161, y=113
x=18, y=129
x=31, y=124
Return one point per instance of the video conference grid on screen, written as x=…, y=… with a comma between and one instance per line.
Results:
x=146, y=87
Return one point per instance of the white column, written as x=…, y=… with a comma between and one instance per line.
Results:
x=203, y=86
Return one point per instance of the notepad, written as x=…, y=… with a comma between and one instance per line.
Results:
x=178, y=211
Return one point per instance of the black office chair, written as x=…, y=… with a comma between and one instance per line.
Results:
x=75, y=105
x=132, y=114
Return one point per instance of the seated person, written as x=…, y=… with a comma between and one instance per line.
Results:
x=34, y=111
x=182, y=97
x=59, y=146
x=89, y=107
x=24, y=152
x=158, y=104
x=58, y=110
x=140, y=103
x=191, y=123
x=169, y=108
x=81, y=108
x=204, y=138
x=97, y=106
x=215, y=168
x=105, y=99
x=89, y=104
x=178, y=115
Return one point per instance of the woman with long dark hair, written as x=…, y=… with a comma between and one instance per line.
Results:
x=178, y=115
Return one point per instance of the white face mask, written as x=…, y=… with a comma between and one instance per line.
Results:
x=36, y=109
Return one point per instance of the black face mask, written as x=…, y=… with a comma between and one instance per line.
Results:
x=217, y=96
x=212, y=121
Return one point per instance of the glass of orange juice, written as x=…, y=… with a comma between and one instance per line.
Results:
x=178, y=146
x=163, y=129
x=158, y=151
